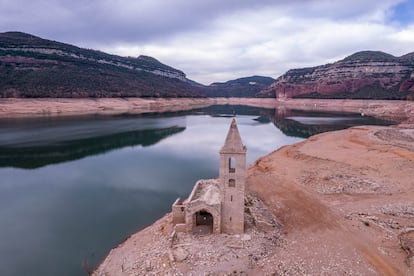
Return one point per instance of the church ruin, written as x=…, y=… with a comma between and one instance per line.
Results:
x=217, y=205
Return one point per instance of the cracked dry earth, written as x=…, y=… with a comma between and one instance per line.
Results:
x=341, y=203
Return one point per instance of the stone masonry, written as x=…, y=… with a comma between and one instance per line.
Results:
x=217, y=205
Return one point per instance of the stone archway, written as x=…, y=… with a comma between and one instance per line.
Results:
x=203, y=222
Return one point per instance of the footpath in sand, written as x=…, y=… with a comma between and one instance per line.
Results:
x=341, y=203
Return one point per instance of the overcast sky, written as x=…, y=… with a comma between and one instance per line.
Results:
x=218, y=40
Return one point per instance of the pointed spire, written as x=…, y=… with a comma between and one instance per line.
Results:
x=233, y=142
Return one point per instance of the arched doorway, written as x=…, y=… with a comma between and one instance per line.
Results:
x=203, y=223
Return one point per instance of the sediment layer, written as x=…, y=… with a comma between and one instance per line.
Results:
x=395, y=110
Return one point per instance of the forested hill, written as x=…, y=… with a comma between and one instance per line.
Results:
x=247, y=87
x=34, y=67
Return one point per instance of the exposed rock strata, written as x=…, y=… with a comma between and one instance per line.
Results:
x=369, y=75
x=32, y=67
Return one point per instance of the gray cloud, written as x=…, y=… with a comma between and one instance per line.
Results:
x=214, y=40
x=105, y=21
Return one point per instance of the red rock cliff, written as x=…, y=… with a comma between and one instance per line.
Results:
x=368, y=74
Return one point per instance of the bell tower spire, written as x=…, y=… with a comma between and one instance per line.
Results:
x=232, y=181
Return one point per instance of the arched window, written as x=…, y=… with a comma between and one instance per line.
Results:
x=232, y=164
x=232, y=183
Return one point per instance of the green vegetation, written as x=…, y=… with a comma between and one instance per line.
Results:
x=371, y=56
x=35, y=67
x=247, y=87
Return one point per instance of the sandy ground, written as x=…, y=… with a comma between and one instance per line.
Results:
x=15, y=108
x=344, y=199
x=72, y=107
x=343, y=203
x=395, y=110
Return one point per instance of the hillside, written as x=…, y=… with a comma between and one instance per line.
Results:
x=34, y=67
x=247, y=87
x=363, y=75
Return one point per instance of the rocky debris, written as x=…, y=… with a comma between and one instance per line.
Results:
x=370, y=220
x=407, y=244
x=340, y=183
x=295, y=268
x=341, y=233
x=212, y=254
x=399, y=210
x=390, y=216
x=260, y=216
x=402, y=137
x=396, y=221
x=179, y=253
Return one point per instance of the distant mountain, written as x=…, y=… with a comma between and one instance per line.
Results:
x=246, y=87
x=363, y=75
x=34, y=67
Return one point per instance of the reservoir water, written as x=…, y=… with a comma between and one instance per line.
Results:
x=73, y=188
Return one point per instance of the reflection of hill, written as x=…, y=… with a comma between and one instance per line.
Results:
x=296, y=129
x=38, y=156
x=284, y=119
x=231, y=110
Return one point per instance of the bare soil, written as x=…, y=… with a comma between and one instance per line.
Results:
x=398, y=111
x=350, y=192
x=342, y=203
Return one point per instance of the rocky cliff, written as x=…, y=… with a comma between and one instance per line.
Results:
x=34, y=67
x=363, y=75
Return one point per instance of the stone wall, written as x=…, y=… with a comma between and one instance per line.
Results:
x=178, y=211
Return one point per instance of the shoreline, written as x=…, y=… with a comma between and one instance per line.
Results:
x=65, y=107
x=348, y=192
x=398, y=111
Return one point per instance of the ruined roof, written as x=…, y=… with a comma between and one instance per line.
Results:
x=206, y=190
x=233, y=142
x=210, y=194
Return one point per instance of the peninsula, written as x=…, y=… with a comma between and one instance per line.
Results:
x=337, y=203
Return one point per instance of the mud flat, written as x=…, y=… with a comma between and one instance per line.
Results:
x=71, y=107
x=14, y=108
x=341, y=202
x=397, y=111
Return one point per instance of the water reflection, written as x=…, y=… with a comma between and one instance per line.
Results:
x=124, y=173
x=36, y=143
x=298, y=123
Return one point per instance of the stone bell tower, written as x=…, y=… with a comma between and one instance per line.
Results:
x=232, y=182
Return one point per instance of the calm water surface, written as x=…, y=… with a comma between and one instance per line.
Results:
x=71, y=189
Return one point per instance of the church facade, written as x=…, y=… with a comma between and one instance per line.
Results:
x=217, y=205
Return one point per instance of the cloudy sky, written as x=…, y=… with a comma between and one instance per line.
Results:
x=218, y=40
